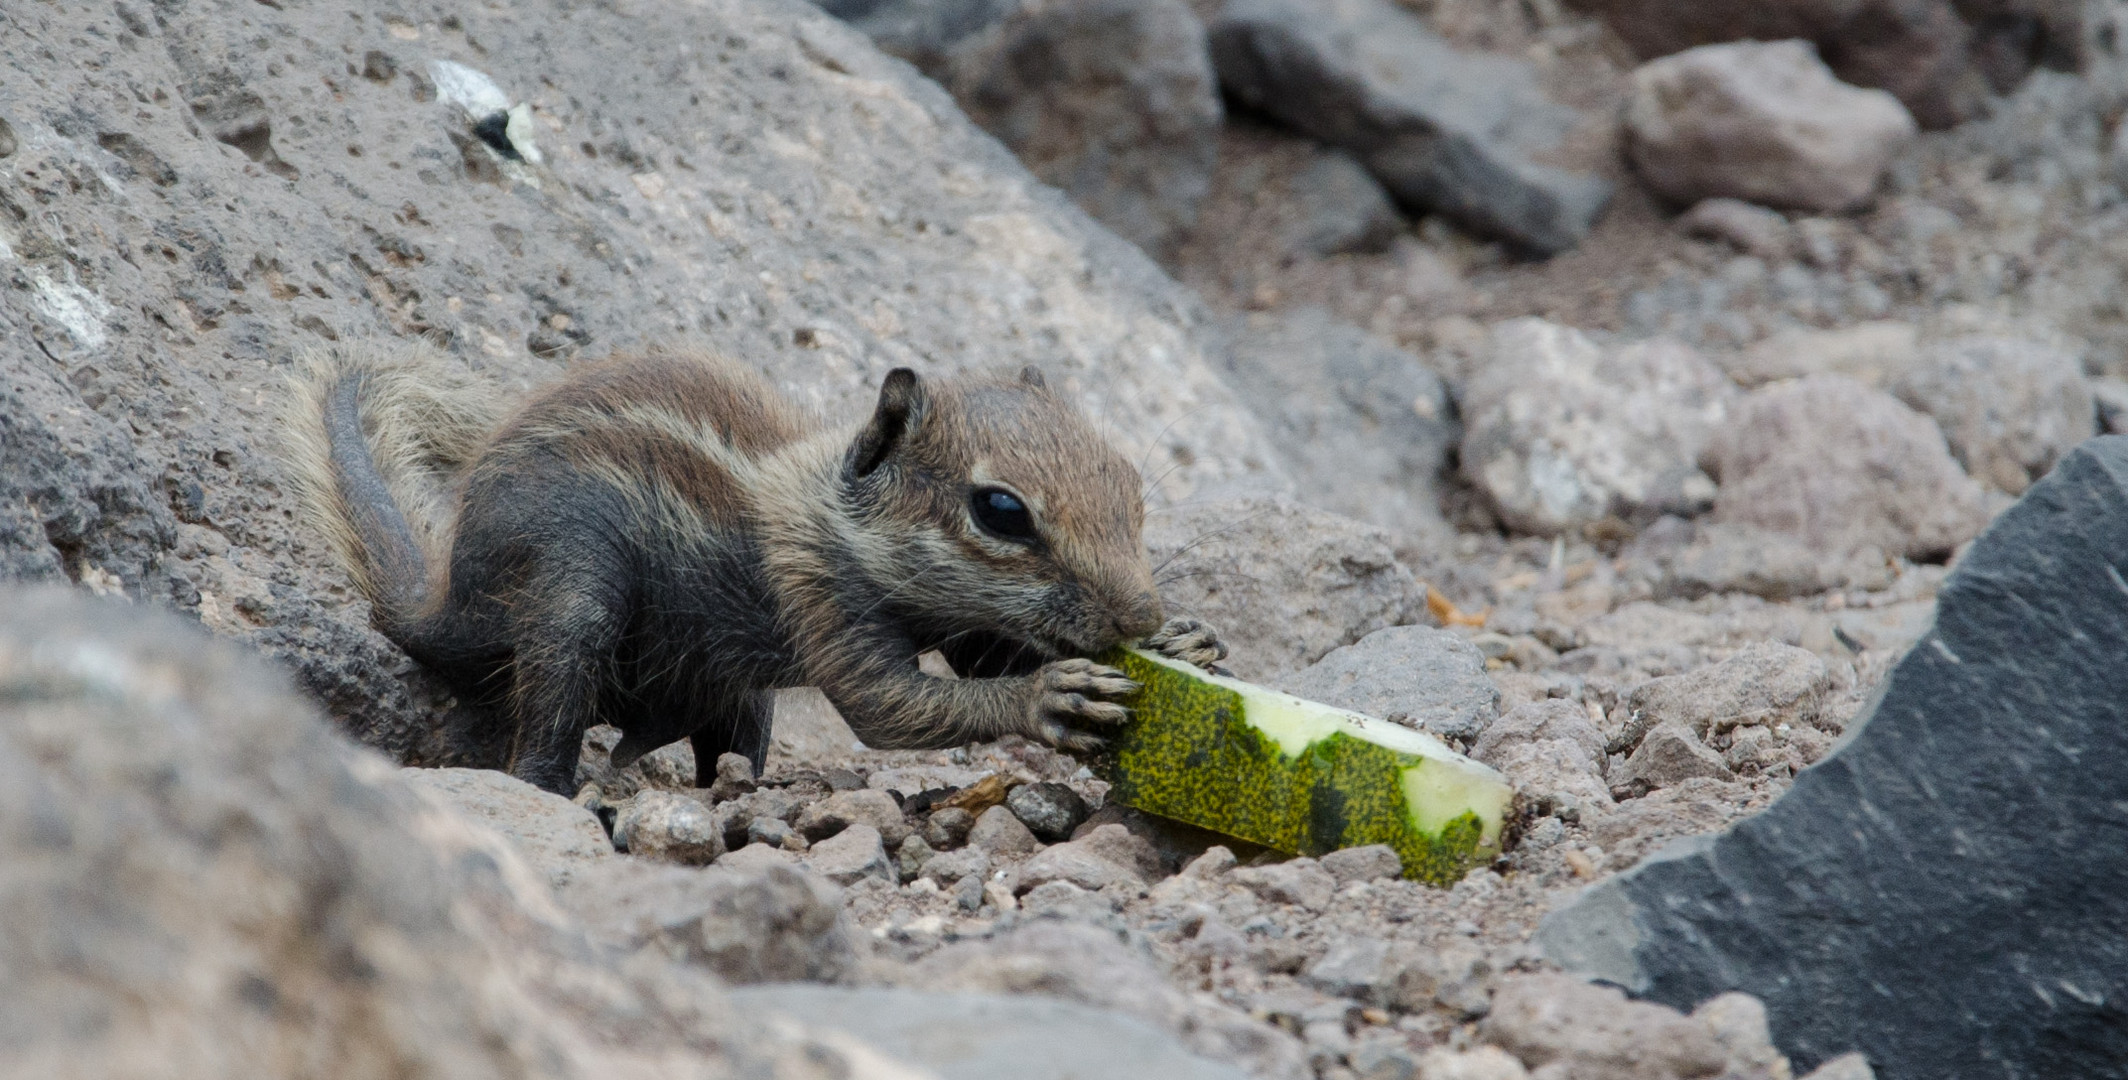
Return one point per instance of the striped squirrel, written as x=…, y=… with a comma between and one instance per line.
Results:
x=659, y=541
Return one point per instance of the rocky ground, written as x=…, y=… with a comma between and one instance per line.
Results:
x=1625, y=447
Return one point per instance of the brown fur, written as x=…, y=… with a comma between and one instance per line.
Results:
x=656, y=541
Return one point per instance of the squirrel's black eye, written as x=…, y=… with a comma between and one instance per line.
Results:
x=1002, y=514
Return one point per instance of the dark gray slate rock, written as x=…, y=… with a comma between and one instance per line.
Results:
x=1445, y=130
x=1945, y=892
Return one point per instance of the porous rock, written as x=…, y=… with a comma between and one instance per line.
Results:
x=1980, y=755
x=951, y=866
x=1594, y=1032
x=839, y=811
x=1842, y=467
x=1875, y=353
x=1668, y=754
x=852, y=855
x=1074, y=961
x=211, y=821
x=2008, y=408
x=771, y=924
x=964, y=1035
x=1282, y=583
x=1477, y=1063
x=668, y=826
x=1371, y=862
x=842, y=175
x=1417, y=676
x=1112, y=101
x=1765, y=122
x=1299, y=882
x=1457, y=133
x=947, y=827
x=1363, y=427
x=559, y=838
x=1764, y=683
x=1560, y=432
x=998, y=832
x=1049, y=810
x=1077, y=864
x=1551, y=752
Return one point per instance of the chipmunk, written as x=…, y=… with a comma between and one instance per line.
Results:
x=659, y=541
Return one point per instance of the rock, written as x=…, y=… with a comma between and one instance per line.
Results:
x=1382, y=1059
x=1282, y=583
x=999, y=833
x=1343, y=208
x=910, y=857
x=1417, y=676
x=1090, y=864
x=1374, y=862
x=1668, y=754
x=951, y=866
x=1049, y=810
x=1361, y=968
x=1479, y=1063
x=843, y=809
x=1725, y=557
x=1078, y=962
x=1845, y=1067
x=1560, y=432
x=166, y=368
x=2111, y=397
x=1842, y=467
x=734, y=776
x=971, y=1036
x=852, y=855
x=772, y=924
x=1112, y=101
x=947, y=827
x=1120, y=843
x=1981, y=757
x=1738, y=1023
x=1460, y=134
x=1939, y=57
x=1594, y=1032
x=1364, y=427
x=1873, y=353
x=1299, y=882
x=923, y=32
x=669, y=827
x=756, y=857
x=2009, y=409
x=774, y=832
x=1763, y=684
x=1765, y=122
x=807, y=731
x=1753, y=230
x=559, y=838
x=1553, y=754
x=203, y=880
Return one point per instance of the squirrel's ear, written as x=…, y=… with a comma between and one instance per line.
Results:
x=1032, y=376
x=903, y=401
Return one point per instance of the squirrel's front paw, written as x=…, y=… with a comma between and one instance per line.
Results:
x=1070, y=695
x=1191, y=641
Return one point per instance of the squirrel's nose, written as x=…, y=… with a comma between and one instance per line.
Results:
x=1141, y=616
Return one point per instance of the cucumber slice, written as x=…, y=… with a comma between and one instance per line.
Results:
x=1297, y=776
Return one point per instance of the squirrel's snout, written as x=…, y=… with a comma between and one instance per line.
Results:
x=1138, y=617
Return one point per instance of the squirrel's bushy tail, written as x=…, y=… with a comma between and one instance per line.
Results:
x=375, y=434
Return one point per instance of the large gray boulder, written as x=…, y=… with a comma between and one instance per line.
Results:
x=1113, y=101
x=1363, y=427
x=1461, y=134
x=202, y=880
x=1963, y=845
x=743, y=175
